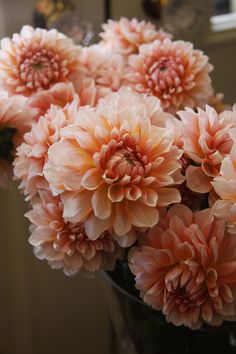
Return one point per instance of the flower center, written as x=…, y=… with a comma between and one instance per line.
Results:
x=6, y=143
x=39, y=69
x=185, y=290
x=166, y=75
x=126, y=162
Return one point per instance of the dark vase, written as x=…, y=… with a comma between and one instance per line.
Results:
x=138, y=329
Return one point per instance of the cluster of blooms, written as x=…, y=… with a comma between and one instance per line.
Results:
x=124, y=144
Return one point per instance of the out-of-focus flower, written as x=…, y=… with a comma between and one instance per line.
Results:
x=35, y=60
x=105, y=67
x=59, y=95
x=206, y=142
x=125, y=36
x=187, y=269
x=114, y=167
x=65, y=245
x=32, y=154
x=172, y=71
x=225, y=187
x=217, y=102
x=15, y=120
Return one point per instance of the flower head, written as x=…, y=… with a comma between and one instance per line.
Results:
x=32, y=154
x=105, y=67
x=225, y=186
x=114, y=168
x=15, y=120
x=206, y=142
x=125, y=36
x=35, y=60
x=65, y=245
x=172, y=71
x=186, y=268
x=59, y=95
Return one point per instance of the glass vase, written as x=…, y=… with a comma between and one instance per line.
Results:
x=138, y=329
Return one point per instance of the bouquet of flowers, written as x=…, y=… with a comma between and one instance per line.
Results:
x=125, y=154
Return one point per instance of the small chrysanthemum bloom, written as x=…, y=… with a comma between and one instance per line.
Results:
x=225, y=187
x=32, y=153
x=187, y=269
x=125, y=36
x=59, y=95
x=65, y=245
x=36, y=59
x=15, y=121
x=114, y=167
x=172, y=71
x=105, y=67
x=206, y=142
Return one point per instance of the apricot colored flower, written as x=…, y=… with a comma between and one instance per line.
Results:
x=206, y=142
x=172, y=71
x=187, y=269
x=35, y=60
x=105, y=67
x=65, y=245
x=114, y=167
x=225, y=186
x=15, y=120
x=125, y=36
x=32, y=153
x=59, y=95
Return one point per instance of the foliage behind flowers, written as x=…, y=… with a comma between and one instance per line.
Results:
x=125, y=154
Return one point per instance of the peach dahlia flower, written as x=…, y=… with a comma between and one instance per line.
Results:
x=36, y=59
x=206, y=142
x=172, y=71
x=65, y=245
x=125, y=36
x=15, y=120
x=187, y=268
x=114, y=168
x=59, y=95
x=225, y=187
x=105, y=67
x=32, y=154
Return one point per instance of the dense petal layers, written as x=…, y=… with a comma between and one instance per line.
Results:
x=114, y=168
x=35, y=60
x=125, y=36
x=225, y=186
x=32, y=153
x=186, y=268
x=172, y=71
x=65, y=245
x=206, y=141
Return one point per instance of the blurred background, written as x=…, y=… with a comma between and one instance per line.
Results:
x=41, y=310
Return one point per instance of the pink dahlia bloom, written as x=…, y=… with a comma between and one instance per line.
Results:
x=225, y=186
x=15, y=120
x=206, y=142
x=65, y=245
x=187, y=268
x=59, y=95
x=32, y=154
x=125, y=36
x=105, y=67
x=114, y=167
x=35, y=60
x=172, y=71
